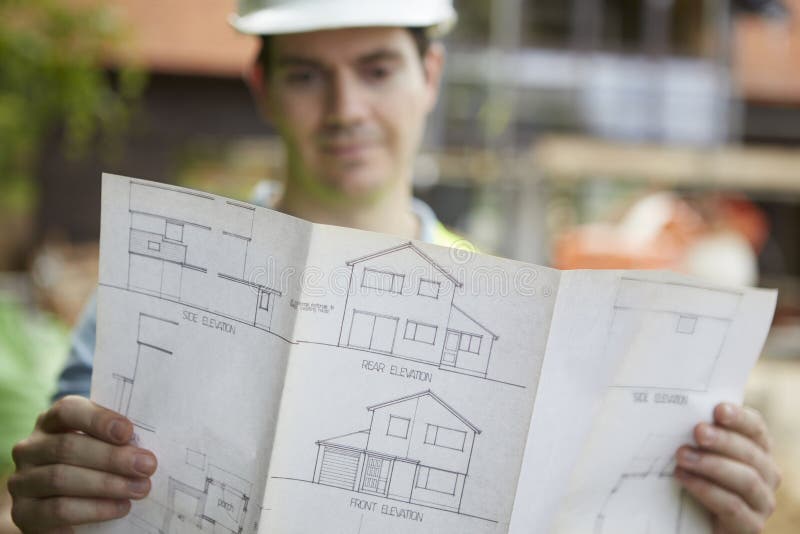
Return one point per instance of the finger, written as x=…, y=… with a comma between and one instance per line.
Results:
x=71, y=481
x=44, y=515
x=81, y=450
x=745, y=421
x=738, y=447
x=741, y=479
x=78, y=413
x=732, y=512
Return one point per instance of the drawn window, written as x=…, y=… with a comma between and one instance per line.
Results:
x=174, y=231
x=264, y=302
x=398, y=427
x=428, y=288
x=448, y=438
x=422, y=332
x=154, y=245
x=383, y=280
x=470, y=343
x=686, y=324
x=437, y=480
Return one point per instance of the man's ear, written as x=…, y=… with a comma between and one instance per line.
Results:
x=433, y=63
x=256, y=80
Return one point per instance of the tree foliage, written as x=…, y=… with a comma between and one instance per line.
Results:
x=54, y=73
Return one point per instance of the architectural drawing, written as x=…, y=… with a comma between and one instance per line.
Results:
x=689, y=337
x=220, y=506
x=417, y=449
x=167, y=253
x=400, y=303
x=154, y=341
x=646, y=497
x=244, y=299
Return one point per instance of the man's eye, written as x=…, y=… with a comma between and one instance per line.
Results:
x=378, y=73
x=305, y=77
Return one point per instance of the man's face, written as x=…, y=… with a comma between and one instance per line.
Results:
x=351, y=106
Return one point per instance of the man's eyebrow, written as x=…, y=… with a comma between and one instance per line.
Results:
x=297, y=61
x=384, y=54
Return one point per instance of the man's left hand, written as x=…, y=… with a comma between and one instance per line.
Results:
x=731, y=471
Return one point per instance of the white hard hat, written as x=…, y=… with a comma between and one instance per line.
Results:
x=269, y=17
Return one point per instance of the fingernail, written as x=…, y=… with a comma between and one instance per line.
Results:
x=123, y=506
x=707, y=435
x=726, y=413
x=138, y=486
x=688, y=456
x=118, y=430
x=144, y=464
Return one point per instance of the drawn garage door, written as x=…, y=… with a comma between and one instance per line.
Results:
x=339, y=468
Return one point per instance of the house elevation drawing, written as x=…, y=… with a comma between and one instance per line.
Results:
x=243, y=299
x=646, y=310
x=154, y=341
x=417, y=449
x=400, y=303
x=167, y=251
x=646, y=497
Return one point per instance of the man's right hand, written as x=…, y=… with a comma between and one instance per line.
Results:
x=77, y=467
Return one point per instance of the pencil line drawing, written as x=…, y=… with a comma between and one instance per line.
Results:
x=219, y=506
x=384, y=285
x=243, y=299
x=137, y=523
x=217, y=502
x=646, y=498
x=154, y=340
x=646, y=310
x=167, y=252
x=417, y=449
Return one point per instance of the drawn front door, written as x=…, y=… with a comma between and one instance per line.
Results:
x=451, y=343
x=376, y=475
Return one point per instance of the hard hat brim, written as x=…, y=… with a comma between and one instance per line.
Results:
x=299, y=18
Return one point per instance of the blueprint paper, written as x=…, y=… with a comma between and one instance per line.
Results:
x=296, y=378
x=680, y=347
x=189, y=346
x=273, y=365
x=415, y=416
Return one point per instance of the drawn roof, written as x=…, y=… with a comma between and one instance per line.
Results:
x=465, y=314
x=249, y=283
x=354, y=440
x=413, y=247
x=434, y=397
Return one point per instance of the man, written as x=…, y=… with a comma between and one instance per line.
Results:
x=348, y=85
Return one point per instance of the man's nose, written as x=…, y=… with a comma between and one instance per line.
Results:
x=346, y=101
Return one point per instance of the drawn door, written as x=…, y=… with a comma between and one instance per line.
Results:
x=376, y=475
x=339, y=468
x=383, y=335
x=451, y=348
x=374, y=332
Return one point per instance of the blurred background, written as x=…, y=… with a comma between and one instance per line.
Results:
x=582, y=133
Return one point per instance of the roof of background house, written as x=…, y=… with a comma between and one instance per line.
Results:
x=194, y=37
x=185, y=36
x=767, y=56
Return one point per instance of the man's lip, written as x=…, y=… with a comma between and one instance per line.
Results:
x=345, y=149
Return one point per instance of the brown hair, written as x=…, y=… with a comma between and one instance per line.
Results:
x=420, y=35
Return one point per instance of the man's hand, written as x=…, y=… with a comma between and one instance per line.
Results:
x=77, y=467
x=731, y=471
